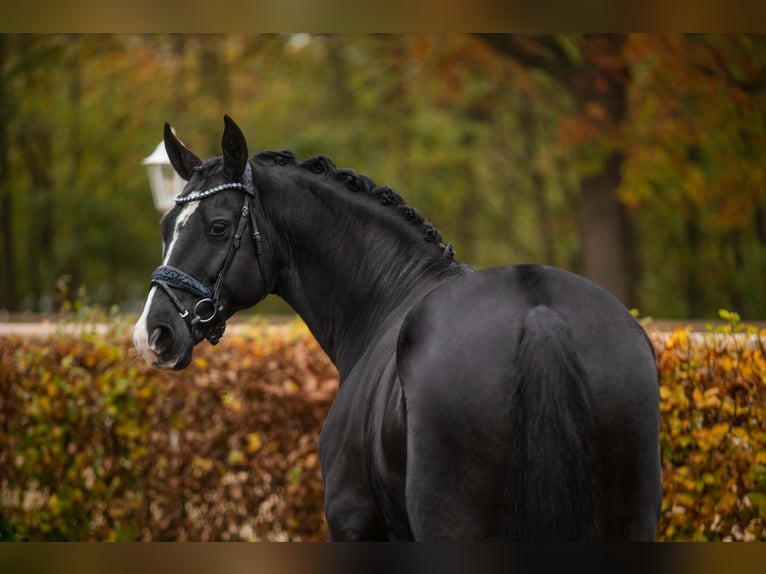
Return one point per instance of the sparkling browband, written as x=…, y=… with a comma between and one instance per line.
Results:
x=197, y=195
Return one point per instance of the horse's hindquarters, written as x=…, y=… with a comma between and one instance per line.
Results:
x=461, y=365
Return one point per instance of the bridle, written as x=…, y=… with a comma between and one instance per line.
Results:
x=207, y=316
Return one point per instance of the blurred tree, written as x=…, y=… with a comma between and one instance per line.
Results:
x=7, y=246
x=74, y=134
x=30, y=236
x=695, y=139
x=663, y=135
x=594, y=70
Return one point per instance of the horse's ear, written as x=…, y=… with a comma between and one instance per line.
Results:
x=234, y=149
x=183, y=160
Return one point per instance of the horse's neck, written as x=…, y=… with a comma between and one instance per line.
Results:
x=346, y=316
x=350, y=270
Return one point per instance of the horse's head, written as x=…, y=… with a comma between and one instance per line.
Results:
x=213, y=261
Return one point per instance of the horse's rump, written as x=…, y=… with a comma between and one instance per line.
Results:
x=478, y=411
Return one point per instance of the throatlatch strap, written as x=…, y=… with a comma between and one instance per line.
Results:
x=180, y=280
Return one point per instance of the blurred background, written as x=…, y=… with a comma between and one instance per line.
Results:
x=636, y=160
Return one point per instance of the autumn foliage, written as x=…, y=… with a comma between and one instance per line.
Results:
x=713, y=432
x=94, y=445
x=633, y=159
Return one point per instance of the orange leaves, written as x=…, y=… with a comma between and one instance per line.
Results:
x=712, y=390
x=707, y=400
x=578, y=130
x=694, y=132
x=94, y=445
x=109, y=449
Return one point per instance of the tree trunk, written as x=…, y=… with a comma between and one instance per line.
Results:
x=528, y=129
x=609, y=250
x=606, y=233
x=214, y=68
x=7, y=247
x=35, y=145
x=695, y=305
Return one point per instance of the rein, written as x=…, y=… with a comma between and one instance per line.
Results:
x=207, y=315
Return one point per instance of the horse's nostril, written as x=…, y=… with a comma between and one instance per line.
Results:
x=161, y=339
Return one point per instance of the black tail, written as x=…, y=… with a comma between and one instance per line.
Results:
x=553, y=491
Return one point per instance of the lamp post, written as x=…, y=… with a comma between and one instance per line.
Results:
x=163, y=179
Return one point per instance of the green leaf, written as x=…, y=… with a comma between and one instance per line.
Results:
x=730, y=316
x=759, y=501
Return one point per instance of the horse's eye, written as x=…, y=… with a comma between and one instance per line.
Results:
x=219, y=228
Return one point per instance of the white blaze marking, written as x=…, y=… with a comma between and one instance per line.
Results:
x=181, y=221
x=141, y=330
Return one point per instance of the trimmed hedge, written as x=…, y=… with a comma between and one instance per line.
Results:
x=95, y=445
x=713, y=433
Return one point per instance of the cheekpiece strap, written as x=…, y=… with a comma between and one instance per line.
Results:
x=248, y=176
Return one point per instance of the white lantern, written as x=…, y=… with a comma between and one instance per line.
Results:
x=165, y=183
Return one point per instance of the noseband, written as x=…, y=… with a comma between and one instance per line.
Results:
x=207, y=316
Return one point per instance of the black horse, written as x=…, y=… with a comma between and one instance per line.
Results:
x=517, y=403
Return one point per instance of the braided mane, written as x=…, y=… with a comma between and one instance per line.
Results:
x=358, y=183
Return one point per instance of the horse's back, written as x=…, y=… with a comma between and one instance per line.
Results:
x=458, y=361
